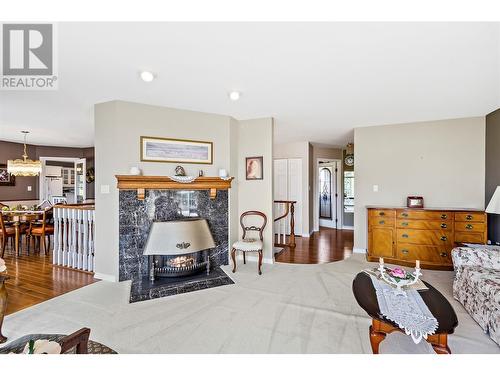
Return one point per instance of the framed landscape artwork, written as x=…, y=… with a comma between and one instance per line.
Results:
x=169, y=150
x=6, y=179
x=254, y=168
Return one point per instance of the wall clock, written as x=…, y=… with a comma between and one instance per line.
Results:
x=349, y=160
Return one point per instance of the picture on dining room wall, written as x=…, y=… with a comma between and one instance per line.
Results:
x=6, y=179
x=254, y=168
x=170, y=150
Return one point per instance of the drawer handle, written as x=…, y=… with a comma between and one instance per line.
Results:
x=444, y=216
x=381, y=213
x=444, y=255
x=444, y=238
x=381, y=222
x=404, y=224
x=404, y=235
x=469, y=226
x=468, y=217
x=404, y=214
x=444, y=225
x=404, y=251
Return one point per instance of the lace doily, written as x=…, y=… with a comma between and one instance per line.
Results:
x=183, y=179
x=410, y=313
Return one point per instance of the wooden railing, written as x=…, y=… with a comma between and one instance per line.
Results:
x=74, y=228
x=284, y=223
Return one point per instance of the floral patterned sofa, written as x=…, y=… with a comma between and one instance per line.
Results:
x=477, y=285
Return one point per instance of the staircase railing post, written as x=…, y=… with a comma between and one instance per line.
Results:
x=292, y=225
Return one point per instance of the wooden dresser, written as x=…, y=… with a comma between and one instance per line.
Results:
x=403, y=235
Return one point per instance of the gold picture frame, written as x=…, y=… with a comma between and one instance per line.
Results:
x=173, y=150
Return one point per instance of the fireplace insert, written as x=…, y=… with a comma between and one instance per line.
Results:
x=178, y=248
x=178, y=265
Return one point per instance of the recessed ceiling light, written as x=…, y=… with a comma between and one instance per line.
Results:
x=234, y=95
x=147, y=76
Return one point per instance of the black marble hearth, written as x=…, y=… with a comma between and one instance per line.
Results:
x=136, y=217
x=143, y=289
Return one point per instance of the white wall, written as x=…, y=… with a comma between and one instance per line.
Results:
x=118, y=127
x=298, y=150
x=256, y=139
x=443, y=161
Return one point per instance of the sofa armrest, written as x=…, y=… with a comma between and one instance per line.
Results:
x=485, y=256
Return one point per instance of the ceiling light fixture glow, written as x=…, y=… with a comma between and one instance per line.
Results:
x=147, y=76
x=234, y=95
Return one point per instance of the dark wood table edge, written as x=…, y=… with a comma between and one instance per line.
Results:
x=381, y=327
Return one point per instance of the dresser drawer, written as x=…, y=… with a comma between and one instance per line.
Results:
x=423, y=224
x=390, y=214
x=472, y=237
x=424, y=253
x=470, y=216
x=424, y=237
x=381, y=222
x=423, y=215
x=461, y=226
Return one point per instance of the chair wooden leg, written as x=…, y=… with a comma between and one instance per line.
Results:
x=244, y=258
x=233, y=257
x=4, y=243
x=44, y=245
x=260, y=262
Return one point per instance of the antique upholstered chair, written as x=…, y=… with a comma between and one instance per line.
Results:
x=247, y=244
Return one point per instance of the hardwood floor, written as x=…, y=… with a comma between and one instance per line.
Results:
x=327, y=245
x=33, y=279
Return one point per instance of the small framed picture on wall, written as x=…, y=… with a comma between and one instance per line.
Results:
x=6, y=179
x=254, y=168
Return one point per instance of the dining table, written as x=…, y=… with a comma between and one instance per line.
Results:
x=17, y=217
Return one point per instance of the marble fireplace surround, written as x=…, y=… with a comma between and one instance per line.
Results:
x=135, y=219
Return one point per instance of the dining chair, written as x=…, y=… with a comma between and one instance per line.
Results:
x=41, y=233
x=250, y=244
x=8, y=231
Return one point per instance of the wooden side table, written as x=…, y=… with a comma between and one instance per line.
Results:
x=3, y=304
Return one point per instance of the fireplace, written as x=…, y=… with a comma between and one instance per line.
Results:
x=137, y=218
x=178, y=248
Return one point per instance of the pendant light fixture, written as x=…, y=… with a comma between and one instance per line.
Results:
x=24, y=167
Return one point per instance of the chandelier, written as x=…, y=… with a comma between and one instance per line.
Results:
x=25, y=167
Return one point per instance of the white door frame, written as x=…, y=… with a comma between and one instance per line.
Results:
x=338, y=201
x=41, y=177
x=84, y=162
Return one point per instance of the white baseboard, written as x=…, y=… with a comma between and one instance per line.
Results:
x=348, y=227
x=358, y=250
x=105, y=277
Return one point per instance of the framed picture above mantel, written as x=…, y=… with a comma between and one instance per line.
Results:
x=171, y=150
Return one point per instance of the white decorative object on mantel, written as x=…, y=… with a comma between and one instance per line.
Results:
x=222, y=173
x=410, y=313
x=135, y=171
x=183, y=179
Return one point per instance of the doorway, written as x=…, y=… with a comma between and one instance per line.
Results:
x=62, y=180
x=329, y=194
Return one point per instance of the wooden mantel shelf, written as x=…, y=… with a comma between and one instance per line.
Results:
x=141, y=183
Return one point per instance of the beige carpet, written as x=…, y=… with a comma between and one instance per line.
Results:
x=289, y=309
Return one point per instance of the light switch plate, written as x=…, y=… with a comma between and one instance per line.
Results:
x=104, y=189
x=375, y=188
x=29, y=188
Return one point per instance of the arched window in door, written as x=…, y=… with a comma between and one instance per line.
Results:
x=325, y=193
